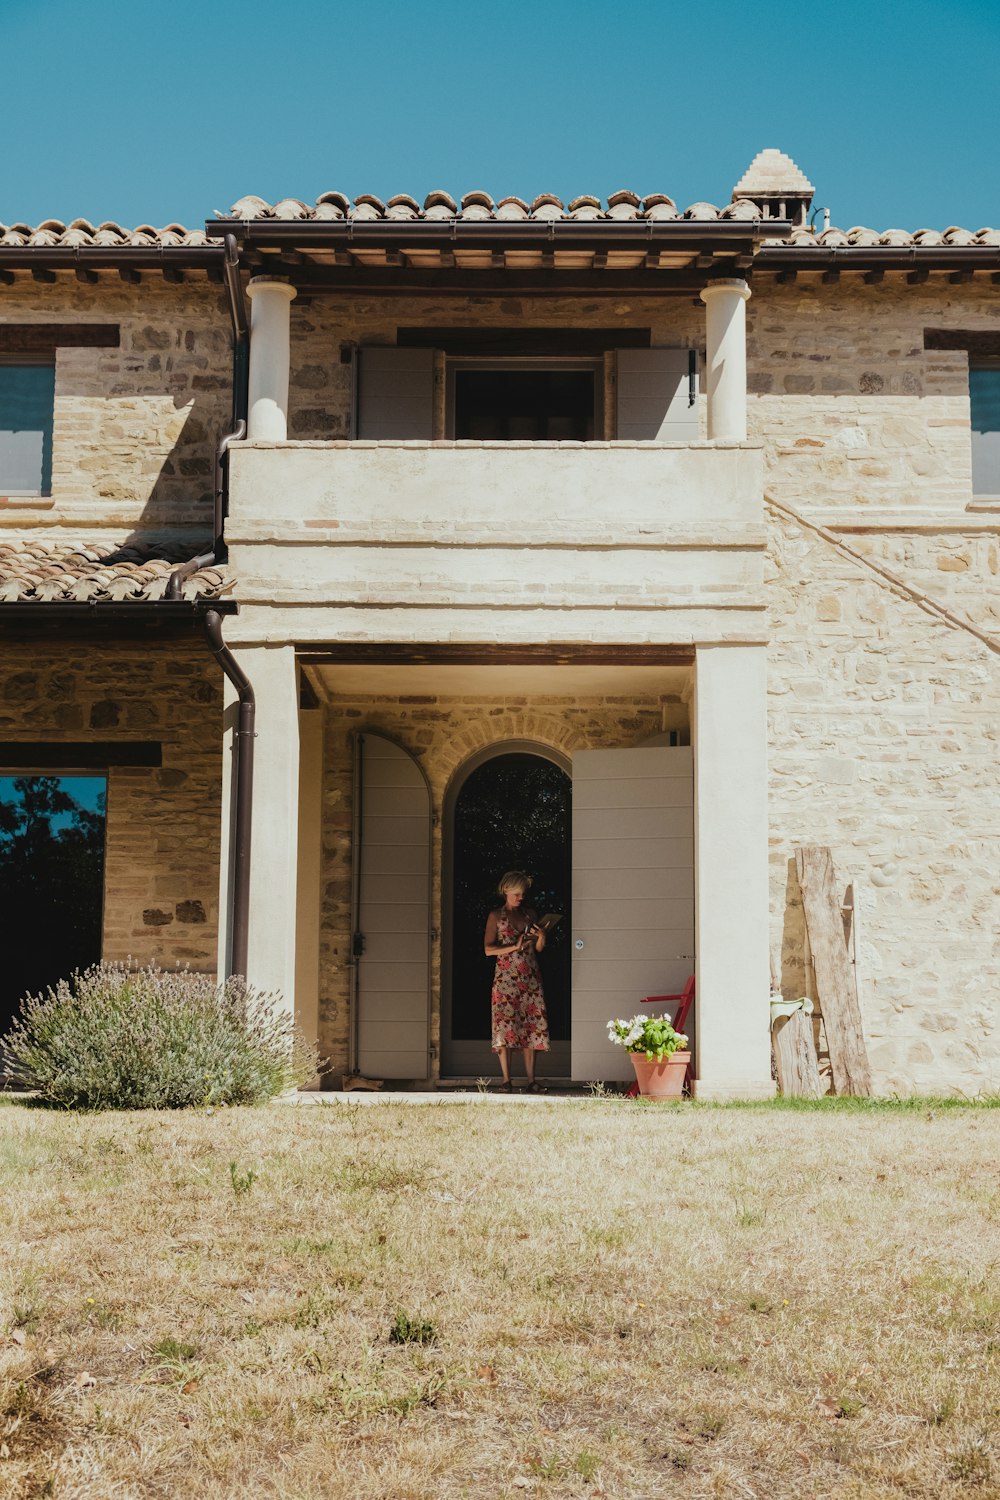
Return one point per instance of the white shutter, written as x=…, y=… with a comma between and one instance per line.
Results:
x=394, y=911
x=395, y=393
x=654, y=396
x=633, y=892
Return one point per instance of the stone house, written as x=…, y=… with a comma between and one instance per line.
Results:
x=318, y=522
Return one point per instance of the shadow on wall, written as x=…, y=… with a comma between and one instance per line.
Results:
x=137, y=426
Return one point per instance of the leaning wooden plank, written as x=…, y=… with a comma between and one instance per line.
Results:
x=838, y=997
x=795, y=1056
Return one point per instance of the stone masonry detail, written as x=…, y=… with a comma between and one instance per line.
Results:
x=162, y=834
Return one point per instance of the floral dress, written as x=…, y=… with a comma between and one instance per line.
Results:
x=519, y=1018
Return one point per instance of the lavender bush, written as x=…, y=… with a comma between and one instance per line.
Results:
x=118, y=1037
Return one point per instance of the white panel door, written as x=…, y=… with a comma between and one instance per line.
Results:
x=393, y=912
x=633, y=892
x=654, y=396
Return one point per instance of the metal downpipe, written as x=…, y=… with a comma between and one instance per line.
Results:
x=243, y=797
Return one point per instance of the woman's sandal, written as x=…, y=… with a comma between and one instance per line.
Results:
x=506, y=1087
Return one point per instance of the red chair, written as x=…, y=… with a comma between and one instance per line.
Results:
x=685, y=1000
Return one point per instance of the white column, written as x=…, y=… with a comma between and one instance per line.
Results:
x=731, y=886
x=270, y=319
x=726, y=359
x=274, y=826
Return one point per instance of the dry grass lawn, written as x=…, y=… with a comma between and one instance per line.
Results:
x=500, y=1299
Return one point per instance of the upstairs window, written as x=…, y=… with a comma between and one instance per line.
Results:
x=422, y=392
x=984, y=397
x=27, y=398
x=504, y=403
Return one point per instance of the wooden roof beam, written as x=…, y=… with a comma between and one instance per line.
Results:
x=85, y=277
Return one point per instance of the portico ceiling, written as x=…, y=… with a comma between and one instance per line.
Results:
x=481, y=680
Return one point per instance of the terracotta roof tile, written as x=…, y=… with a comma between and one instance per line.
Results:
x=38, y=570
x=770, y=176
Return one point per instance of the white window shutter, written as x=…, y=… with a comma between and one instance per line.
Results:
x=654, y=396
x=395, y=393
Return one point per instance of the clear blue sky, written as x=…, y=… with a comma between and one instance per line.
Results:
x=152, y=112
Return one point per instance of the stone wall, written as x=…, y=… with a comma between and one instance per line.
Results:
x=442, y=733
x=162, y=835
x=135, y=428
x=853, y=411
x=884, y=739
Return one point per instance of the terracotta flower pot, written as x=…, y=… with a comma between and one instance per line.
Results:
x=661, y=1080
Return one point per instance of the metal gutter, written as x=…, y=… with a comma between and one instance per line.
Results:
x=119, y=611
x=449, y=234
x=109, y=257
x=239, y=937
x=878, y=257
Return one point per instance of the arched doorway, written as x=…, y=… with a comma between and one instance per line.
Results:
x=509, y=808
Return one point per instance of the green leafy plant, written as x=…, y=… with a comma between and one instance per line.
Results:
x=653, y=1036
x=241, y=1180
x=120, y=1037
x=409, y=1330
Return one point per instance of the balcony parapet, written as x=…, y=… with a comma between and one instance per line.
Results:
x=495, y=532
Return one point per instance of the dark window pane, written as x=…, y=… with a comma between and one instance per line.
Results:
x=27, y=394
x=51, y=881
x=524, y=405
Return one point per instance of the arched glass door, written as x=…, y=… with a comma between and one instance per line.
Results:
x=512, y=811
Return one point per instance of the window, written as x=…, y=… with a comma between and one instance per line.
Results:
x=984, y=395
x=51, y=880
x=531, y=404
x=27, y=395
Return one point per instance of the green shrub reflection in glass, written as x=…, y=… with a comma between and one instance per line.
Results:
x=653, y=1036
x=117, y=1037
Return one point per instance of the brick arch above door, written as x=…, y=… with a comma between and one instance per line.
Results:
x=513, y=729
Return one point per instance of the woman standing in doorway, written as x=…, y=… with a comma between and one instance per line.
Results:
x=514, y=939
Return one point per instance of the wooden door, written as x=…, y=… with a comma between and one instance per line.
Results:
x=633, y=892
x=392, y=924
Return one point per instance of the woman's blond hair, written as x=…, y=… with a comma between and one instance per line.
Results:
x=514, y=880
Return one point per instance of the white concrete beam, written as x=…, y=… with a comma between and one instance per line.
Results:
x=731, y=873
x=271, y=955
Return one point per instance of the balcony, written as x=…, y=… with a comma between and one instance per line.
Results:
x=463, y=540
